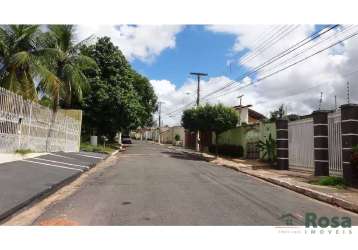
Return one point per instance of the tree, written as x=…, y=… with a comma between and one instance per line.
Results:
x=147, y=99
x=21, y=52
x=64, y=59
x=119, y=99
x=216, y=118
x=278, y=114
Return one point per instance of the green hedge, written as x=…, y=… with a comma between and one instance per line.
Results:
x=228, y=150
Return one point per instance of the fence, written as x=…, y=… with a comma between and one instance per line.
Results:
x=335, y=143
x=300, y=144
x=28, y=125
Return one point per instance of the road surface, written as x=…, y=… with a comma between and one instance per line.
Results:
x=153, y=185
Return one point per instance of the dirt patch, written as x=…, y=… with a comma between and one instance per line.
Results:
x=58, y=222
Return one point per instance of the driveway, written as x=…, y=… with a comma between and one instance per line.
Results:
x=153, y=185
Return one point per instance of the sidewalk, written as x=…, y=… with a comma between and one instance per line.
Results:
x=25, y=181
x=294, y=180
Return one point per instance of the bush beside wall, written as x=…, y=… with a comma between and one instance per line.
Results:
x=228, y=150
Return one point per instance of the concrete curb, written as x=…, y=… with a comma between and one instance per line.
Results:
x=47, y=192
x=298, y=189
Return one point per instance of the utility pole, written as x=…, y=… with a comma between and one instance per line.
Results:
x=198, y=75
x=348, y=99
x=160, y=120
x=335, y=102
x=320, y=101
x=240, y=97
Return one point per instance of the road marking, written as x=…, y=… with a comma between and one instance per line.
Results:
x=90, y=156
x=56, y=166
x=70, y=164
x=62, y=156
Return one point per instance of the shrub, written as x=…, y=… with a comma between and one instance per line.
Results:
x=330, y=181
x=23, y=151
x=85, y=146
x=268, y=147
x=228, y=150
x=177, y=137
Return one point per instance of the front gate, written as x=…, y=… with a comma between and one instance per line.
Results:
x=335, y=144
x=300, y=144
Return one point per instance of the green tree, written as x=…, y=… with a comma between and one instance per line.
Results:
x=119, y=99
x=278, y=114
x=21, y=52
x=64, y=59
x=147, y=99
x=216, y=118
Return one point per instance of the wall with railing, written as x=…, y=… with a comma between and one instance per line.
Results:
x=28, y=125
x=248, y=136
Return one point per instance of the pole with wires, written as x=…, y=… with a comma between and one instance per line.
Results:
x=159, y=118
x=348, y=98
x=198, y=75
x=320, y=101
x=335, y=102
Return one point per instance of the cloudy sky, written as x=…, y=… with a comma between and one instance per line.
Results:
x=167, y=54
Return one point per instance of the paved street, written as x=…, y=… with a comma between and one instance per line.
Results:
x=25, y=180
x=152, y=185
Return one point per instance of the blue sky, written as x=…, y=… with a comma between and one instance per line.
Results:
x=166, y=54
x=197, y=49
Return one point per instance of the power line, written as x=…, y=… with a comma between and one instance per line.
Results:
x=285, y=52
x=198, y=75
x=273, y=59
x=312, y=46
x=297, y=62
x=271, y=44
x=232, y=81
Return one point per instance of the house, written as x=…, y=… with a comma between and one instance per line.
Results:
x=248, y=115
x=168, y=135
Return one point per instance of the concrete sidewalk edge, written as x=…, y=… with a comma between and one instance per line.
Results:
x=47, y=192
x=298, y=189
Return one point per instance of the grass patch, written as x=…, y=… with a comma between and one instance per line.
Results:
x=85, y=146
x=23, y=151
x=331, y=181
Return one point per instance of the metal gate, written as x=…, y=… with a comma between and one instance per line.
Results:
x=335, y=144
x=300, y=144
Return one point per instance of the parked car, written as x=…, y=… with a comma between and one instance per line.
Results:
x=126, y=139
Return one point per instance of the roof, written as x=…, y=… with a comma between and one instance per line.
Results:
x=256, y=115
x=252, y=113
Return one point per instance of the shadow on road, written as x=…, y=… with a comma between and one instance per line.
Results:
x=183, y=156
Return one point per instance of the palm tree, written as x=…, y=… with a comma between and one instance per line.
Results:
x=65, y=60
x=20, y=53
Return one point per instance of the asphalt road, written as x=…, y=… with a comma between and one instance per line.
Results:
x=152, y=185
x=23, y=181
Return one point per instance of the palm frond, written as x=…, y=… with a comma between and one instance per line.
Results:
x=50, y=84
x=21, y=59
x=63, y=35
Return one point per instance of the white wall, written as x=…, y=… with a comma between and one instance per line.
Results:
x=28, y=125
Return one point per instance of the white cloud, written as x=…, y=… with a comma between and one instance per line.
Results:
x=323, y=72
x=175, y=98
x=298, y=87
x=143, y=42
